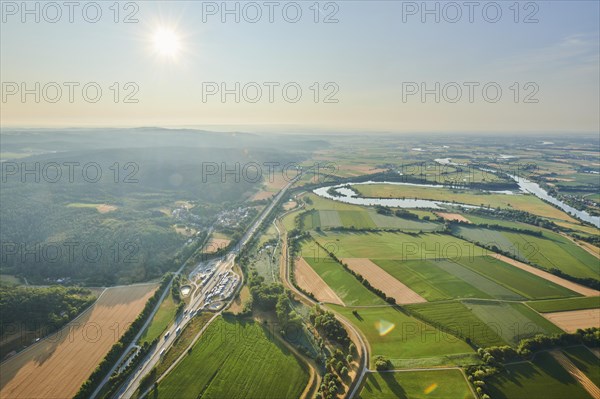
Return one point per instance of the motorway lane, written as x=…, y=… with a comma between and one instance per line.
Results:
x=181, y=322
x=226, y=263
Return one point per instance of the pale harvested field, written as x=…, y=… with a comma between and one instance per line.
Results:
x=104, y=208
x=214, y=244
x=357, y=169
x=580, y=289
x=57, y=366
x=576, y=373
x=310, y=281
x=453, y=216
x=571, y=320
x=383, y=281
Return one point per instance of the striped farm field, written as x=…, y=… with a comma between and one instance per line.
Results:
x=235, y=358
x=512, y=321
x=487, y=323
x=57, y=366
x=429, y=280
x=522, y=282
x=456, y=318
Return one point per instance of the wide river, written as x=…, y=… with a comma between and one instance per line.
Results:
x=348, y=196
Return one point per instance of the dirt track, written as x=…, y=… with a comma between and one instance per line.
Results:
x=576, y=373
x=310, y=281
x=57, y=366
x=571, y=320
x=383, y=281
x=580, y=289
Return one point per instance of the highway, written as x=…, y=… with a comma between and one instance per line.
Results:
x=197, y=303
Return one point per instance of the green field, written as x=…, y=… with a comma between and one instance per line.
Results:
x=236, y=359
x=552, y=251
x=479, y=219
x=9, y=279
x=432, y=384
x=328, y=218
x=363, y=219
x=542, y=378
x=399, y=336
x=386, y=222
x=457, y=318
x=396, y=245
x=431, y=281
x=561, y=305
x=512, y=321
x=556, y=251
x=345, y=285
x=524, y=283
x=585, y=361
x=487, y=323
x=161, y=320
x=357, y=219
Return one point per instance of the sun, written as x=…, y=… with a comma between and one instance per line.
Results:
x=166, y=43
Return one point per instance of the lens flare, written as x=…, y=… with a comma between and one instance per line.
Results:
x=384, y=327
x=430, y=388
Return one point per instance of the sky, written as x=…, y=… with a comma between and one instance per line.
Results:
x=393, y=66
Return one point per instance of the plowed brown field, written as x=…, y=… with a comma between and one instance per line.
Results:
x=383, y=281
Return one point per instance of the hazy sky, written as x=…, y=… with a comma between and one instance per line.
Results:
x=375, y=61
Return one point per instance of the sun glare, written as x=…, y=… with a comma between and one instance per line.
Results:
x=166, y=43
